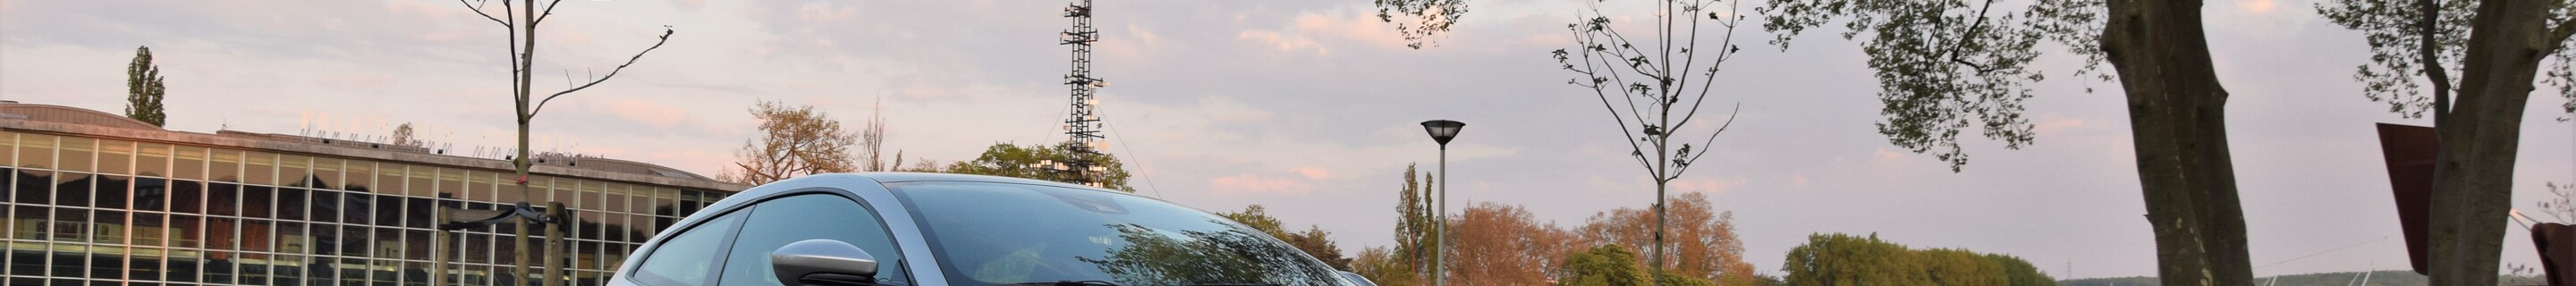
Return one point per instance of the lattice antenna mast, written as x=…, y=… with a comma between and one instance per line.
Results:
x=1082, y=126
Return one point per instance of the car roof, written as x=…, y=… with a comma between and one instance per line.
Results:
x=903, y=177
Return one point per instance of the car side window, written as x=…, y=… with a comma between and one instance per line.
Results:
x=776, y=223
x=689, y=258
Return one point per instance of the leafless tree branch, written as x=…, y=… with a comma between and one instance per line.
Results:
x=612, y=73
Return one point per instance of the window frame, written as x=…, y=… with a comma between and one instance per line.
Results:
x=883, y=224
x=714, y=272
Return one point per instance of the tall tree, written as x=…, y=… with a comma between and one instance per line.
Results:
x=143, y=89
x=1653, y=85
x=521, y=22
x=1012, y=160
x=794, y=141
x=1942, y=62
x=2496, y=47
x=1414, y=222
x=1424, y=20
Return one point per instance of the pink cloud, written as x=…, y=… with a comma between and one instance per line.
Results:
x=1257, y=184
x=1313, y=173
x=648, y=112
x=821, y=12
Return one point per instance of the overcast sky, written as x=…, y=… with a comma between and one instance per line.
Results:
x=1308, y=107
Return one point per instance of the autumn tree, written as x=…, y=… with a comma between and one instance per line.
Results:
x=794, y=141
x=1315, y=242
x=2495, y=48
x=1496, y=244
x=1013, y=160
x=521, y=21
x=1653, y=85
x=1703, y=239
x=404, y=135
x=1942, y=65
x=143, y=89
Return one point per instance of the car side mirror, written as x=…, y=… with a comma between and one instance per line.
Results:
x=823, y=262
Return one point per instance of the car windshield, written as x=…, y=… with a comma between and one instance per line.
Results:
x=999, y=233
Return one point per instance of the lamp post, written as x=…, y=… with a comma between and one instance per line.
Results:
x=1441, y=131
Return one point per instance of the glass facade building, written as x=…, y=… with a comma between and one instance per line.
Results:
x=89, y=209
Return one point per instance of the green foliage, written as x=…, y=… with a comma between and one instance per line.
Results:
x=143, y=89
x=1839, y=259
x=1423, y=18
x=1945, y=65
x=1013, y=160
x=1605, y=265
x=1614, y=265
x=1668, y=278
x=2395, y=30
x=1385, y=267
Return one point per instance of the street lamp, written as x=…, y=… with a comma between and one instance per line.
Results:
x=1441, y=131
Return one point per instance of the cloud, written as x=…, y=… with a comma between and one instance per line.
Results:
x=648, y=112
x=2051, y=123
x=1313, y=173
x=1283, y=42
x=1257, y=184
x=2255, y=6
x=1884, y=153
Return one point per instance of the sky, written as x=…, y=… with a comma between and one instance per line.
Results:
x=1306, y=107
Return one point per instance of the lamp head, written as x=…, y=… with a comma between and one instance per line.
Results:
x=1443, y=130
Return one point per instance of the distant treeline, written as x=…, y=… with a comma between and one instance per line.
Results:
x=1841, y=259
x=2380, y=278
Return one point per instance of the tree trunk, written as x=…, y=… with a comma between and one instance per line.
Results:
x=2177, y=117
x=2473, y=171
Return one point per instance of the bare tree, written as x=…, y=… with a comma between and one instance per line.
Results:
x=522, y=20
x=403, y=136
x=872, y=141
x=1654, y=86
x=794, y=141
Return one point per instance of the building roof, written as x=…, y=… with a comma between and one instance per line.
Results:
x=55, y=119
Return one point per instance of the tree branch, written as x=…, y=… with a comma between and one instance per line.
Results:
x=2430, y=52
x=477, y=6
x=550, y=11
x=612, y=73
x=2558, y=35
x=1693, y=159
x=1591, y=72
